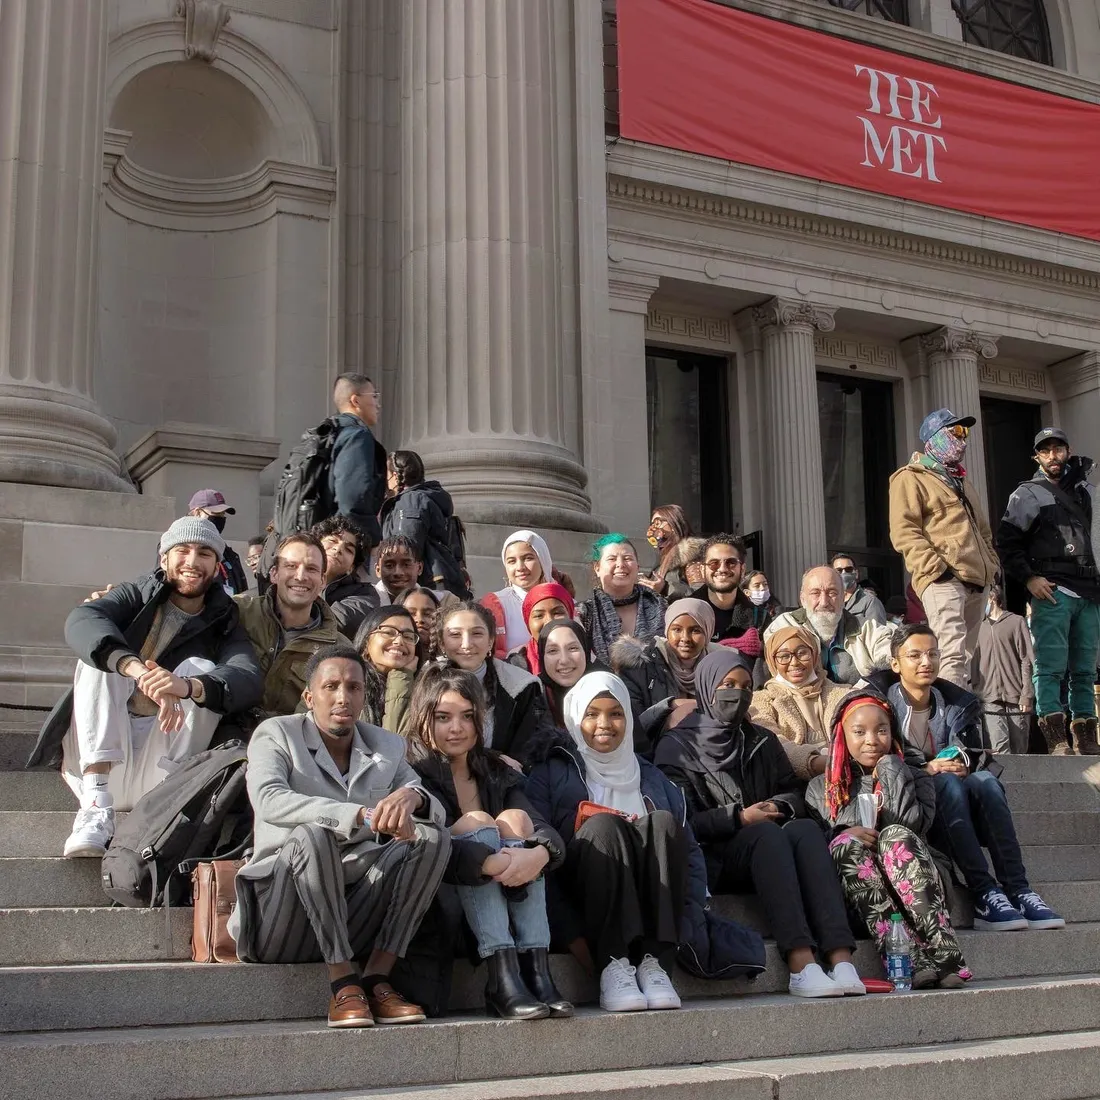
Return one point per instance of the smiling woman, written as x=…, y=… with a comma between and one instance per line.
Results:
x=387, y=642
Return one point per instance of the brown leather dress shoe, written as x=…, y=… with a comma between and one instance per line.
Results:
x=349, y=1008
x=389, y=1007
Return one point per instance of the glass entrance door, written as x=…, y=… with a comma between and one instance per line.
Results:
x=857, y=456
x=687, y=422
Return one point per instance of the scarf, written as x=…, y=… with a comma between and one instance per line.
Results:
x=699, y=611
x=947, y=449
x=807, y=696
x=613, y=778
x=512, y=597
x=540, y=592
x=555, y=692
x=838, y=775
x=716, y=744
x=605, y=625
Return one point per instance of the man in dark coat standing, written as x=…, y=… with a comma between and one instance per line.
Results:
x=357, y=476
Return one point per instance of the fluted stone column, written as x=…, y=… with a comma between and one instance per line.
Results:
x=53, y=55
x=793, y=486
x=952, y=356
x=489, y=362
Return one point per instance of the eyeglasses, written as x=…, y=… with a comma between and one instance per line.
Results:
x=714, y=564
x=917, y=656
x=845, y=570
x=803, y=655
x=392, y=634
x=959, y=431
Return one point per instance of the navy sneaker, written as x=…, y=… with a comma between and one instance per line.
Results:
x=1036, y=911
x=993, y=912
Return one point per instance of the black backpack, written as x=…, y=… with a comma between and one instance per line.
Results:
x=200, y=811
x=445, y=560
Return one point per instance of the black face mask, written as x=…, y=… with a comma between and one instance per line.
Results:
x=731, y=704
x=218, y=521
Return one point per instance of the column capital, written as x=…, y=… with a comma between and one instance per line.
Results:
x=630, y=290
x=955, y=341
x=793, y=312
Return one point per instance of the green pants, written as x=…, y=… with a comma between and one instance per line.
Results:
x=1065, y=634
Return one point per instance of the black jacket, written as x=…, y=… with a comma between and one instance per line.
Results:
x=357, y=476
x=652, y=687
x=715, y=798
x=423, y=514
x=742, y=614
x=101, y=631
x=500, y=787
x=1039, y=535
x=350, y=601
x=521, y=720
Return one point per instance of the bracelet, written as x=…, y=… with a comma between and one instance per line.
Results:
x=190, y=688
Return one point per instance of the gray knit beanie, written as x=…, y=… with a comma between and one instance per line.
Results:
x=192, y=529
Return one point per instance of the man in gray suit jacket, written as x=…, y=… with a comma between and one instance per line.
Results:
x=350, y=848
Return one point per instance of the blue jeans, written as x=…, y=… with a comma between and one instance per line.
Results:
x=1066, y=634
x=496, y=920
x=972, y=813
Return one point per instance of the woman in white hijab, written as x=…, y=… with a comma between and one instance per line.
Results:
x=527, y=562
x=625, y=880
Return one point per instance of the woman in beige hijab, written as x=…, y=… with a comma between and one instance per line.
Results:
x=796, y=704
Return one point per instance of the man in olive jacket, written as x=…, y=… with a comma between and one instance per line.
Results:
x=289, y=622
x=162, y=659
x=938, y=527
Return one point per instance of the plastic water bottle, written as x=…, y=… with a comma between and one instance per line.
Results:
x=899, y=956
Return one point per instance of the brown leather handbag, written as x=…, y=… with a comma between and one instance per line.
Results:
x=214, y=893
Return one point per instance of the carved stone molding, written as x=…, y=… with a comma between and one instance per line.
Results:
x=863, y=353
x=788, y=311
x=712, y=330
x=1076, y=376
x=954, y=341
x=203, y=22
x=1022, y=379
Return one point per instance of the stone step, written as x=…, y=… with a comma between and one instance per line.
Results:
x=1051, y=795
x=1062, y=769
x=289, y=1057
x=1058, y=827
x=46, y=883
x=44, y=950
x=35, y=790
x=1047, y=1067
x=16, y=742
x=1061, y=862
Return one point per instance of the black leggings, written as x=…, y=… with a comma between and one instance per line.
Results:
x=629, y=881
x=789, y=866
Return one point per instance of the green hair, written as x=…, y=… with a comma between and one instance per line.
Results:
x=613, y=539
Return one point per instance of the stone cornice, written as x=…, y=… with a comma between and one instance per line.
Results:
x=199, y=444
x=788, y=312
x=693, y=204
x=957, y=341
x=922, y=44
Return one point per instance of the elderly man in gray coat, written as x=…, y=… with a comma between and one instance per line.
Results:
x=349, y=846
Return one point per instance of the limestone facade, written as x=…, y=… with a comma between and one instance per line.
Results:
x=208, y=208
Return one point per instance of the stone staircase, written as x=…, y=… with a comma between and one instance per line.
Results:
x=99, y=998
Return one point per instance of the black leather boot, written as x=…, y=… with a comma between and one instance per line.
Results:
x=534, y=965
x=505, y=993
x=1084, y=736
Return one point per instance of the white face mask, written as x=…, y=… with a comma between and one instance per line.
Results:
x=760, y=596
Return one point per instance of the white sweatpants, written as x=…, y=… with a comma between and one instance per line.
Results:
x=141, y=754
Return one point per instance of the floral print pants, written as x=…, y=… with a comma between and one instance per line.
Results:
x=899, y=876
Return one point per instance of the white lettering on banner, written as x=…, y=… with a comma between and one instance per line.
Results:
x=903, y=149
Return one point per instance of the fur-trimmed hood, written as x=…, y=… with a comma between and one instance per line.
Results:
x=630, y=652
x=684, y=552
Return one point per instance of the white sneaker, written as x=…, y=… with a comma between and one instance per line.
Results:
x=92, y=832
x=813, y=982
x=619, y=990
x=657, y=986
x=846, y=976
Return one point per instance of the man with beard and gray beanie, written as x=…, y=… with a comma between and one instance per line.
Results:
x=850, y=650
x=162, y=659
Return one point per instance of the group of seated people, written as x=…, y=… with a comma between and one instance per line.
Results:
x=578, y=775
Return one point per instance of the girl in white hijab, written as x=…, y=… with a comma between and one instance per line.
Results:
x=527, y=562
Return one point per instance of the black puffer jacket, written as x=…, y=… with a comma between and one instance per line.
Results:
x=101, y=631
x=350, y=602
x=908, y=797
x=357, y=476
x=500, y=787
x=422, y=514
x=652, y=687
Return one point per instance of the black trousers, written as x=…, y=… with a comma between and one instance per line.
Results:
x=629, y=882
x=790, y=868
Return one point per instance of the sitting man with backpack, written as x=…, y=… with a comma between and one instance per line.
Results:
x=349, y=846
x=162, y=659
x=350, y=599
x=290, y=621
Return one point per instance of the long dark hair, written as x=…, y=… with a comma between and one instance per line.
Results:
x=409, y=468
x=555, y=692
x=674, y=516
x=374, y=702
x=430, y=687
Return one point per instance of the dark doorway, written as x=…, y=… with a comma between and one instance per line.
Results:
x=1008, y=428
x=857, y=457
x=688, y=426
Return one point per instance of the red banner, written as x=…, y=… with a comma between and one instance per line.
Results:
x=705, y=78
